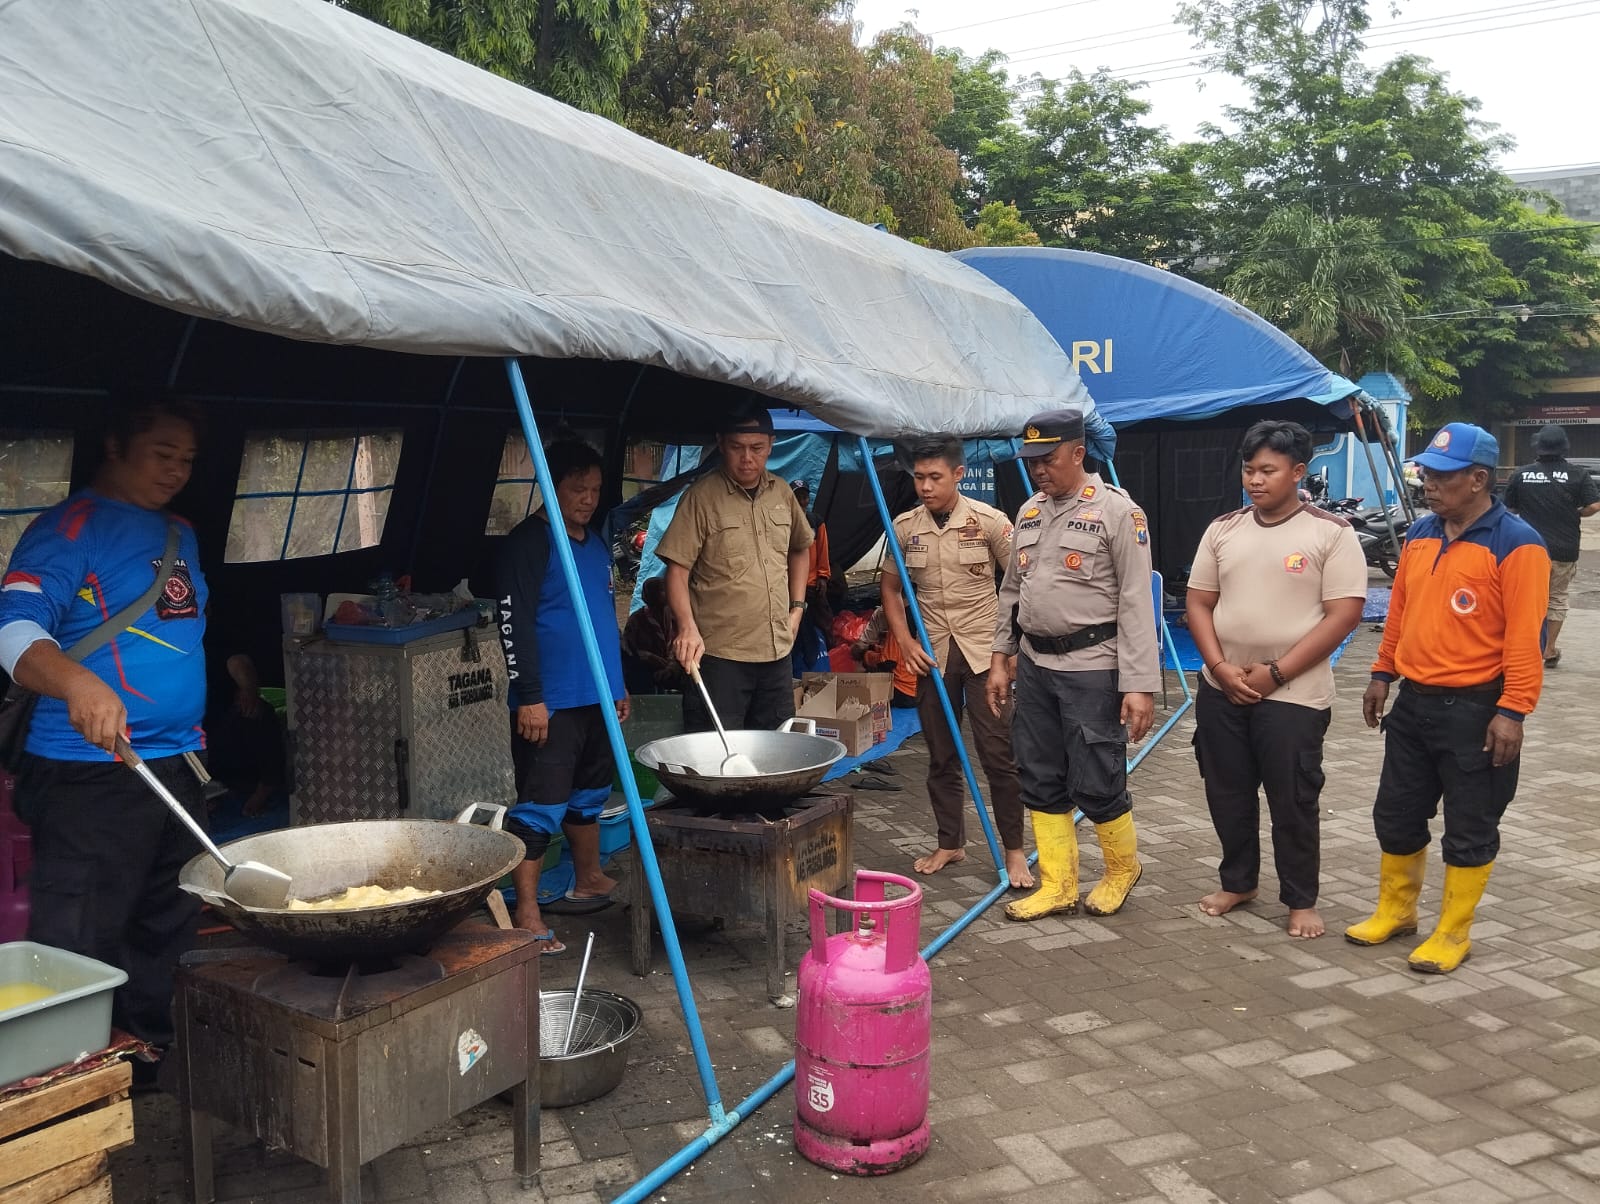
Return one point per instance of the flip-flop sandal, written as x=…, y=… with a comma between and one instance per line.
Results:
x=570, y=904
x=1550, y=662
x=873, y=782
x=556, y=948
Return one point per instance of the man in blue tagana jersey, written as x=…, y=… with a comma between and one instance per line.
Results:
x=106, y=850
x=559, y=747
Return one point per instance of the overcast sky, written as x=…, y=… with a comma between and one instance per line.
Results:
x=1531, y=62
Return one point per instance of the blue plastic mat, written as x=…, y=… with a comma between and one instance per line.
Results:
x=1377, y=607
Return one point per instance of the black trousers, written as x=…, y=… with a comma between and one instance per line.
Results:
x=757, y=695
x=1070, y=746
x=1433, y=748
x=105, y=875
x=947, y=787
x=1276, y=746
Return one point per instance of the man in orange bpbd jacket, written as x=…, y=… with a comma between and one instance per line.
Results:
x=1463, y=636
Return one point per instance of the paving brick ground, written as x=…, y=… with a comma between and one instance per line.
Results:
x=1158, y=1055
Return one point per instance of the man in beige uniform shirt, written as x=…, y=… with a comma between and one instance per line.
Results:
x=736, y=554
x=952, y=545
x=1274, y=589
x=1076, y=611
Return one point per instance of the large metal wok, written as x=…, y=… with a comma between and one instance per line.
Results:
x=461, y=859
x=789, y=762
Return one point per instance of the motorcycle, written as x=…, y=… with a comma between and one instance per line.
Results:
x=1380, y=531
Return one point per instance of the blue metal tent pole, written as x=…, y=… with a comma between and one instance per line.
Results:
x=619, y=749
x=724, y=1122
x=1183, y=707
x=921, y=629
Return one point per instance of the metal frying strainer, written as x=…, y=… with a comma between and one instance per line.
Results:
x=602, y=1020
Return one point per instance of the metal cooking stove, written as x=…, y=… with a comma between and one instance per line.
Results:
x=747, y=868
x=340, y=1064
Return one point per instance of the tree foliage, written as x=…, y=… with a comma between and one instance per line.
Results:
x=778, y=91
x=1077, y=158
x=574, y=50
x=1330, y=284
x=1000, y=225
x=1397, y=150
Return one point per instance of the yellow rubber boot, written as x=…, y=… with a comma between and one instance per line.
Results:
x=1399, y=884
x=1119, y=847
x=1057, y=839
x=1451, y=943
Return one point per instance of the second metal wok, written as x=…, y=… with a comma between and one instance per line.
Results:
x=789, y=762
x=461, y=860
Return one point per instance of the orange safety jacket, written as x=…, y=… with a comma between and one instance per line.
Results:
x=1468, y=610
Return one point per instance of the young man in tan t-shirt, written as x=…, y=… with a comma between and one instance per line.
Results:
x=1275, y=588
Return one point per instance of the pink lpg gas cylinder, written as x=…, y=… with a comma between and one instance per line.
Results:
x=862, y=1033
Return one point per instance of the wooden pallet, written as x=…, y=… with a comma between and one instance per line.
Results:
x=54, y=1140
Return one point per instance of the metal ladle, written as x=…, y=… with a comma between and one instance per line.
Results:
x=246, y=882
x=734, y=765
x=577, y=996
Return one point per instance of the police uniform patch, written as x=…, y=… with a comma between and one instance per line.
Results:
x=1031, y=512
x=1141, y=528
x=1087, y=493
x=1023, y=560
x=1074, y=560
x=1030, y=524
x=1089, y=516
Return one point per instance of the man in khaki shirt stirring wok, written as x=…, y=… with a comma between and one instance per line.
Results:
x=952, y=547
x=736, y=554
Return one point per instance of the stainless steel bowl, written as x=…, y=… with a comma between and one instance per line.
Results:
x=606, y=1023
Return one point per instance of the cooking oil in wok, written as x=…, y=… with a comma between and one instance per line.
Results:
x=18, y=994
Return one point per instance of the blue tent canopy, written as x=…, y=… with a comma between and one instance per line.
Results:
x=1150, y=344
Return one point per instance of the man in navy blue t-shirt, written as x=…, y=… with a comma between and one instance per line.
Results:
x=1551, y=495
x=559, y=746
x=106, y=850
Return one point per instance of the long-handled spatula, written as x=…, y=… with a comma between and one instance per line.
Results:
x=734, y=765
x=246, y=882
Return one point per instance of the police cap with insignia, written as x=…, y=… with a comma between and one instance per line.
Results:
x=1047, y=431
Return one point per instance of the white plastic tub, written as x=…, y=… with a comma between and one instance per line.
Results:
x=74, y=1020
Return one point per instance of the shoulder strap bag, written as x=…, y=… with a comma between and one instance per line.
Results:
x=16, y=708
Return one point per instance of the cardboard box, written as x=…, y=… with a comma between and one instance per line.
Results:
x=820, y=696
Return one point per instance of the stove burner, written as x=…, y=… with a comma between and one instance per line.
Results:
x=727, y=810
x=342, y=991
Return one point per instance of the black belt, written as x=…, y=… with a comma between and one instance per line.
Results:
x=1084, y=637
x=1496, y=687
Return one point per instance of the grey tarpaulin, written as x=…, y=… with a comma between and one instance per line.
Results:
x=287, y=166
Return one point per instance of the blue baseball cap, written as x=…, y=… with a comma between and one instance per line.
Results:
x=1459, y=445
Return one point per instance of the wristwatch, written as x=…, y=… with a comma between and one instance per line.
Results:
x=797, y=605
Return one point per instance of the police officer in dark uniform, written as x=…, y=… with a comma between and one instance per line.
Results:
x=1076, y=611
